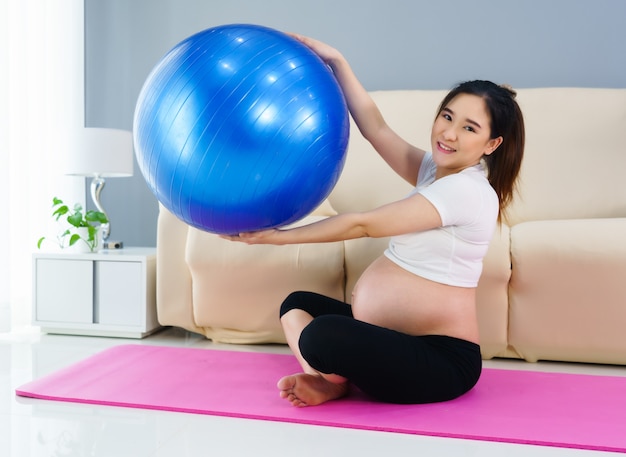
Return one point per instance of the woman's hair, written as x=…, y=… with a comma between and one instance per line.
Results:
x=506, y=121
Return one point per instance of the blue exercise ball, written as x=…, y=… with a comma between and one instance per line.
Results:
x=240, y=128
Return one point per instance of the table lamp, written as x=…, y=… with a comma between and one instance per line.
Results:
x=101, y=153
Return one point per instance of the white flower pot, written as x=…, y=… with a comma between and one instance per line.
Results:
x=80, y=246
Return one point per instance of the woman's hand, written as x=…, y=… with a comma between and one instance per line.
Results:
x=403, y=158
x=259, y=237
x=326, y=52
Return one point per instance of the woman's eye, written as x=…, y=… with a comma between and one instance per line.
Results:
x=469, y=128
x=447, y=117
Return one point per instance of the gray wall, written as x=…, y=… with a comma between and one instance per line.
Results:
x=392, y=44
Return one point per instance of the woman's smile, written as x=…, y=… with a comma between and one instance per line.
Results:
x=445, y=148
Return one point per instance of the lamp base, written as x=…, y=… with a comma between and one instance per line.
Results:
x=112, y=245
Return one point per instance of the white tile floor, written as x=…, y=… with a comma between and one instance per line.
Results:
x=36, y=428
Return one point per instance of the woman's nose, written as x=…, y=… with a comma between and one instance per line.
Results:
x=449, y=133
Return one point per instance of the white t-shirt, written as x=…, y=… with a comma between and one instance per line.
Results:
x=452, y=254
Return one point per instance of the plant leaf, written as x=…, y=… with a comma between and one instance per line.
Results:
x=40, y=241
x=75, y=219
x=60, y=211
x=96, y=216
x=74, y=238
x=56, y=201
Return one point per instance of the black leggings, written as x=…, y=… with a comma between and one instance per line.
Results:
x=387, y=365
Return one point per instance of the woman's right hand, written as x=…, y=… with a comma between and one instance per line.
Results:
x=326, y=52
x=403, y=158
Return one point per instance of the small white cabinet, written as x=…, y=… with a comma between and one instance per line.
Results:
x=106, y=293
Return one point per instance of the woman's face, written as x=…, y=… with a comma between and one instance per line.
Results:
x=461, y=135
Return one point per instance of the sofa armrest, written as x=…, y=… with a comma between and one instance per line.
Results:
x=567, y=291
x=174, y=302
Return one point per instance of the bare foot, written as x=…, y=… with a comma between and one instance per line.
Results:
x=305, y=389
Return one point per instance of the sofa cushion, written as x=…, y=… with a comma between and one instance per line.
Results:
x=367, y=181
x=238, y=289
x=574, y=164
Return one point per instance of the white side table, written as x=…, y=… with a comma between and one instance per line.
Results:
x=105, y=293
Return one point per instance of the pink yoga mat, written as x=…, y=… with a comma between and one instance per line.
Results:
x=551, y=409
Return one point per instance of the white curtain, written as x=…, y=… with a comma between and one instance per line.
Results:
x=41, y=102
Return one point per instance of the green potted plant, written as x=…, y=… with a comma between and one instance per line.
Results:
x=83, y=225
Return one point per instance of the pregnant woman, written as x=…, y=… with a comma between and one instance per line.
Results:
x=410, y=334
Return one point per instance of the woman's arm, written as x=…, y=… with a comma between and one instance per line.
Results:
x=412, y=214
x=401, y=156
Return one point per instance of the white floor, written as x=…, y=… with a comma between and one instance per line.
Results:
x=36, y=428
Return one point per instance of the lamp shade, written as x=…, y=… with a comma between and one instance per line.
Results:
x=101, y=152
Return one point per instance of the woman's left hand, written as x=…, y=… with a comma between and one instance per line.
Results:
x=259, y=237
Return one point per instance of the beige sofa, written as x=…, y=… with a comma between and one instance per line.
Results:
x=554, y=280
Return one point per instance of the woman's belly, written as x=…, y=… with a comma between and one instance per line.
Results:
x=391, y=297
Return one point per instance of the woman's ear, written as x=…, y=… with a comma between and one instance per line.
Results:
x=492, y=145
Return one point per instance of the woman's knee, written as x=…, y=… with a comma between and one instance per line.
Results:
x=319, y=343
x=311, y=335
x=293, y=301
x=314, y=304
